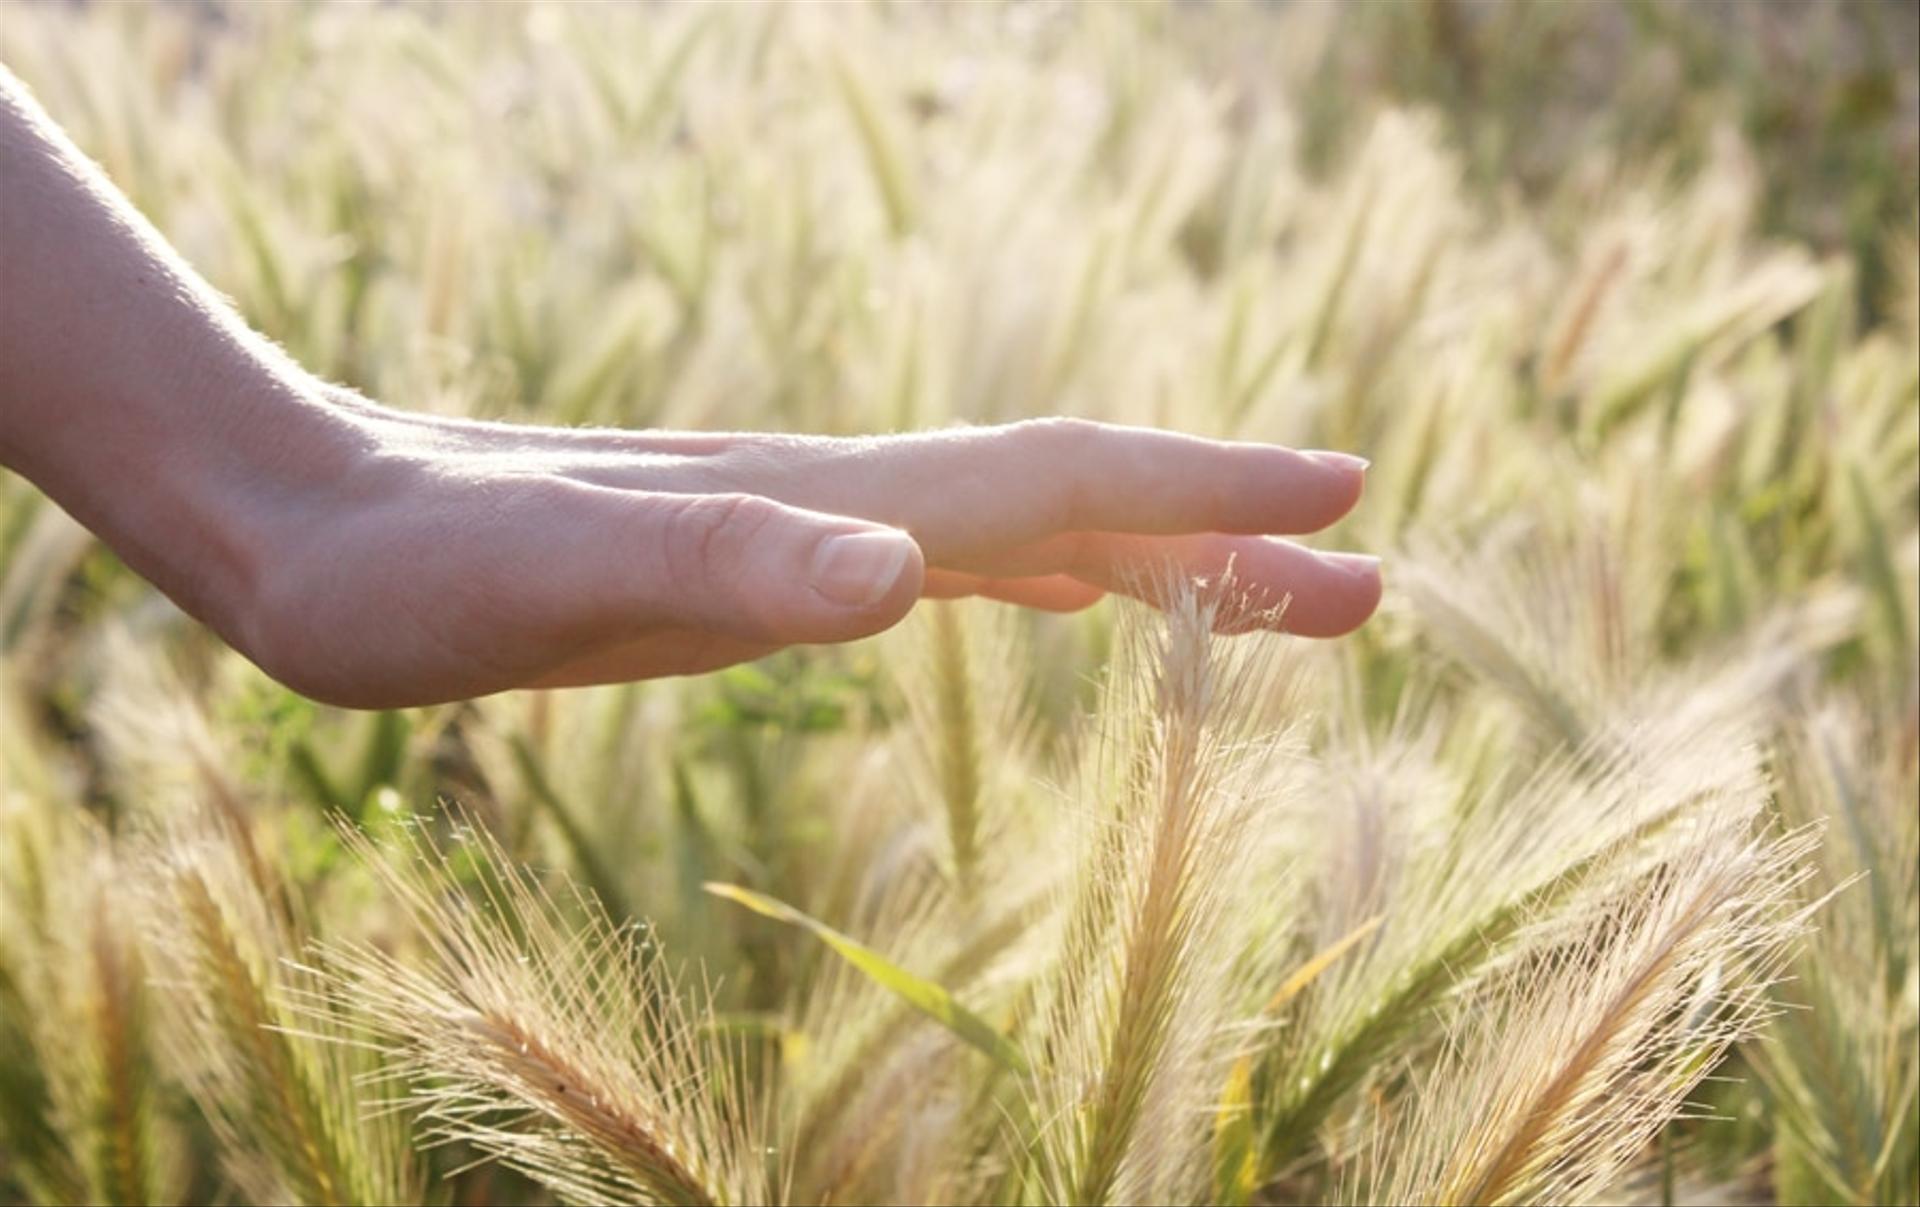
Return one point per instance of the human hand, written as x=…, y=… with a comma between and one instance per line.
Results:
x=372, y=558
x=455, y=558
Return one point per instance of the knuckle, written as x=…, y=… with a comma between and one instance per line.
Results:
x=710, y=535
x=749, y=460
x=1057, y=433
x=1066, y=443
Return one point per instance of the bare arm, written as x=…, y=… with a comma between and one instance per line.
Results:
x=128, y=390
x=374, y=558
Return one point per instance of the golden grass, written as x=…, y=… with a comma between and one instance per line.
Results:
x=1504, y=898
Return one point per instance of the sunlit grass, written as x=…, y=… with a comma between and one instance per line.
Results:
x=1584, y=873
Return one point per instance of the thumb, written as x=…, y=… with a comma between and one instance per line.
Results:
x=759, y=570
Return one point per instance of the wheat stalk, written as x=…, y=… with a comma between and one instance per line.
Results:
x=252, y=1034
x=558, y=1044
x=1135, y=1016
x=1571, y=1062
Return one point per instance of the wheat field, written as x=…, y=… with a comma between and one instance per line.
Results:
x=1586, y=872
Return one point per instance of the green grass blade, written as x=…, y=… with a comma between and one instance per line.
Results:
x=923, y=995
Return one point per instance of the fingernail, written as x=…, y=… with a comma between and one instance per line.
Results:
x=1358, y=564
x=1339, y=460
x=858, y=569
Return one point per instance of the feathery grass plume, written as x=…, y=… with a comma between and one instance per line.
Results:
x=1842, y=1063
x=971, y=731
x=1569, y=1061
x=166, y=757
x=1479, y=882
x=1709, y=325
x=1131, y=1026
x=37, y=845
x=100, y=1037
x=1564, y=621
x=1570, y=332
x=82, y=1111
x=1555, y=621
x=708, y=218
x=39, y=1165
x=959, y=756
x=126, y=1162
x=543, y=1034
x=257, y=1037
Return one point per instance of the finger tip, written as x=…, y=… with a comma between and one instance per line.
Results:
x=898, y=600
x=1348, y=486
x=1332, y=487
x=1337, y=604
x=1346, y=611
x=860, y=583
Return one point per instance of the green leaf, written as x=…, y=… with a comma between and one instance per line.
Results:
x=923, y=995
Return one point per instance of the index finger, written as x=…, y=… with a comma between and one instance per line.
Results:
x=970, y=491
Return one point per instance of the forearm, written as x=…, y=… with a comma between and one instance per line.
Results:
x=129, y=392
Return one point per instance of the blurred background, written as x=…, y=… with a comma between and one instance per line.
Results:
x=1621, y=299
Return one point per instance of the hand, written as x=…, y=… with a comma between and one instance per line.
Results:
x=375, y=559
x=455, y=558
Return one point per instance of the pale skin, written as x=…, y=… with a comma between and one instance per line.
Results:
x=370, y=557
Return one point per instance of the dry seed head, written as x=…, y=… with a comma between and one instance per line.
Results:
x=1135, y=1018
x=538, y=1007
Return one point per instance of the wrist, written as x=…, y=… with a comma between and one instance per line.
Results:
x=202, y=479
x=132, y=395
